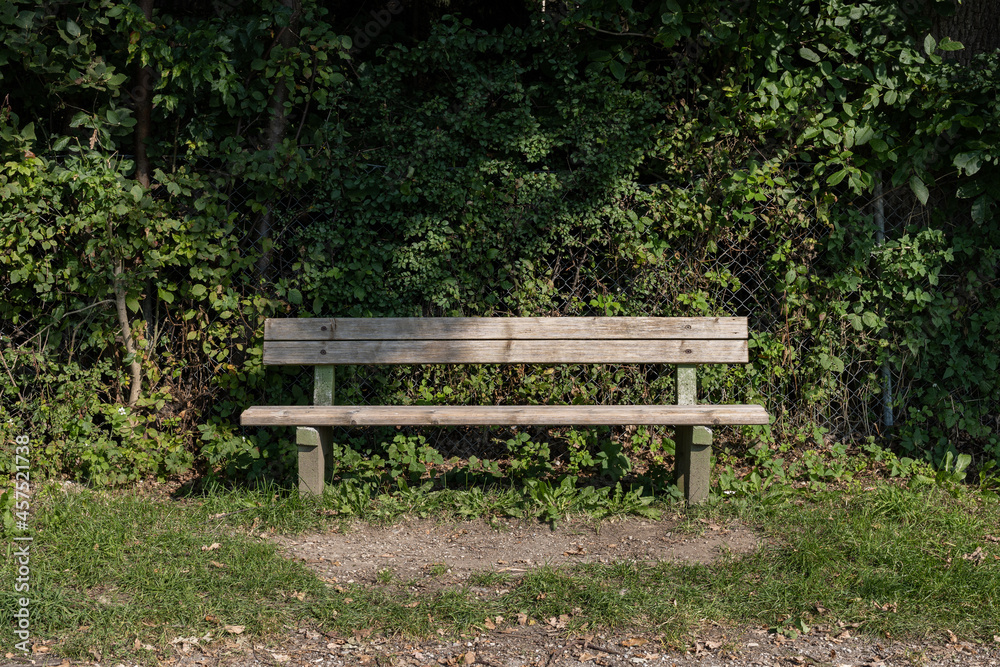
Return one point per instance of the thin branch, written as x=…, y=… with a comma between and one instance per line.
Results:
x=615, y=34
x=72, y=312
x=12, y=380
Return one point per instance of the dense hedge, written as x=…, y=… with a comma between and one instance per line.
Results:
x=602, y=160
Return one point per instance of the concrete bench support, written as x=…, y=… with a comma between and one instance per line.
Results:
x=693, y=453
x=314, y=441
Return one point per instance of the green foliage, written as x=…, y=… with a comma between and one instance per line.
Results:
x=704, y=157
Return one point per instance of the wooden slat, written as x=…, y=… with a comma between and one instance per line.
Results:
x=505, y=328
x=505, y=352
x=505, y=415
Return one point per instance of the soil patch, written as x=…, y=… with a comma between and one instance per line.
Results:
x=440, y=554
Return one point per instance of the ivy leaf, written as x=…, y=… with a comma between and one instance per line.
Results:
x=919, y=189
x=809, y=54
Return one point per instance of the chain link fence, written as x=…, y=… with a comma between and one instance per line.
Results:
x=856, y=405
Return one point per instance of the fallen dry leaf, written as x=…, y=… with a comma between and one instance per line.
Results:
x=951, y=637
x=976, y=557
x=586, y=657
x=635, y=641
x=212, y=547
x=411, y=605
x=469, y=658
x=298, y=596
x=280, y=657
x=234, y=629
x=215, y=563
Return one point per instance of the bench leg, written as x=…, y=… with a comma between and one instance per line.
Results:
x=693, y=462
x=314, y=447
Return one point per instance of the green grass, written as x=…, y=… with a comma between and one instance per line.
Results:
x=108, y=569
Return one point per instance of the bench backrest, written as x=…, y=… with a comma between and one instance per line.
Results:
x=490, y=340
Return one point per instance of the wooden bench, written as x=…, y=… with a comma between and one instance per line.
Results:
x=685, y=341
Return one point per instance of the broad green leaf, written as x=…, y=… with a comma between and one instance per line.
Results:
x=879, y=145
x=809, y=54
x=294, y=296
x=198, y=290
x=617, y=69
x=132, y=303
x=929, y=44
x=948, y=44
x=837, y=176
x=863, y=135
x=919, y=189
x=981, y=209
x=969, y=162
x=970, y=189
x=60, y=144
x=24, y=20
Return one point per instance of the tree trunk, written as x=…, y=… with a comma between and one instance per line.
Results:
x=976, y=24
x=276, y=130
x=120, y=305
x=142, y=93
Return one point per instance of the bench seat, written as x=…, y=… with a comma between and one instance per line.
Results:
x=506, y=415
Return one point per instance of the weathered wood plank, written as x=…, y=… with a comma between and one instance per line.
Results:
x=504, y=415
x=504, y=328
x=278, y=353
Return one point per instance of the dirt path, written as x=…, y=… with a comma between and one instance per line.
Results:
x=441, y=554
